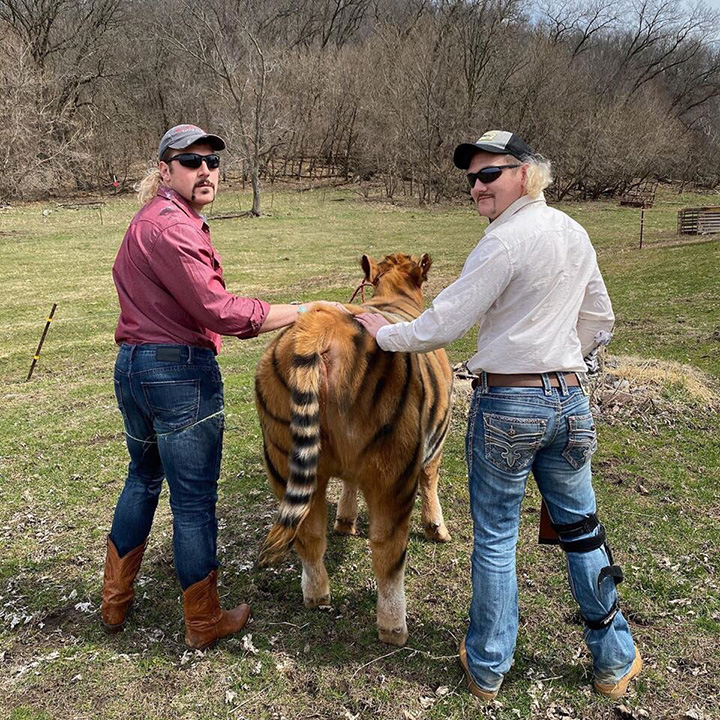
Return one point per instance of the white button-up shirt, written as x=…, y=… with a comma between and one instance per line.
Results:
x=533, y=285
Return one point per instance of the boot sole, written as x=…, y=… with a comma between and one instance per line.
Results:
x=204, y=647
x=113, y=629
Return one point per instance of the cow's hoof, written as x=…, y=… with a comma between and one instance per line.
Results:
x=311, y=603
x=394, y=636
x=437, y=533
x=344, y=527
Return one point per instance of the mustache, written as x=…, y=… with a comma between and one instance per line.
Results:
x=205, y=183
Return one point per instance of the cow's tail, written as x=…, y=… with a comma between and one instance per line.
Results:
x=306, y=376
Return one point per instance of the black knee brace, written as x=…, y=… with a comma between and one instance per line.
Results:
x=582, y=527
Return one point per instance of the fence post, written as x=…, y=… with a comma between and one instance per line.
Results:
x=642, y=226
x=36, y=357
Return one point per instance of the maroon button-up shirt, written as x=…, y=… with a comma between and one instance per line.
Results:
x=170, y=283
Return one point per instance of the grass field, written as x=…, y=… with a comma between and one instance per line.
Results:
x=62, y=460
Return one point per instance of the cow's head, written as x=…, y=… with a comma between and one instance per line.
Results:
x=397, y=274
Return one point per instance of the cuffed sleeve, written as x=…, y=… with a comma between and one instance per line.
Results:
x=458, y=307
x=184, y=261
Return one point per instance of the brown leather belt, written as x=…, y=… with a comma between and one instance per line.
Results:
x=530, y=380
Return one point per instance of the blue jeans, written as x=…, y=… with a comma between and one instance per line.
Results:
x=171, y=398
x=510, y=432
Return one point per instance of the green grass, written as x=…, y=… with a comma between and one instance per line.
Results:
x=62, y=461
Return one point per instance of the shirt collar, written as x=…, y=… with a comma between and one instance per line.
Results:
x=510, y=210
x=183, y=204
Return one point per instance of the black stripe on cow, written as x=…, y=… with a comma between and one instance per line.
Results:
x=276, y=368
x=423, y=392
x=303, y=478
x=273, y=470
x=305, y=361
x=370, y=365
x=402, y=402
x=288, y=521
x=305, y=441
x=401, y=307
x=263, y=404
x=304, y=421
x=406, y=503
x=393, y=308
x=358, y=340
x=277, y=447
x=435, y=389
x=383, y=375
x=399, y=563
x=302, y=463
x=410, y=469
x=406, y=294
x=437, y=438
x=408, y=306
x=303, y=397
x=387, y=428
x=292, y=498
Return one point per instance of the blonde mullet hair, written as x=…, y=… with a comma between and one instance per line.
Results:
x=539, y=174
x=147, y=188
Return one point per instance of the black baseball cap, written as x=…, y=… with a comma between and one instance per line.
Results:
x=182, y=136
x=498, y=142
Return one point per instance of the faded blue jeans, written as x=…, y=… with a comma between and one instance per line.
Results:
x=171, y=398
x=512, y=430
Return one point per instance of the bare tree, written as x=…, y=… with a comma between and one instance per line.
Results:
x=222, y=40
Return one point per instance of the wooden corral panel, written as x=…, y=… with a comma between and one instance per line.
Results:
x=699, y=221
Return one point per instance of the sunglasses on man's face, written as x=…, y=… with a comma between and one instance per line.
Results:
x=194, y=161
x=487, y=175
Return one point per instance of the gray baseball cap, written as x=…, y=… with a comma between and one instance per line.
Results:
x=182, y=136
x=498, y=142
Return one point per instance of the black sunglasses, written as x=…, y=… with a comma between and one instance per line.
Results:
x=487, y=175
x=194, y=161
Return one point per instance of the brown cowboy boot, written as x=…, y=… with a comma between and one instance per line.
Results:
x=205, y=621
x=117, y=592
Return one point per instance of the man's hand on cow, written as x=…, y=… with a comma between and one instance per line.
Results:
x=372, y=322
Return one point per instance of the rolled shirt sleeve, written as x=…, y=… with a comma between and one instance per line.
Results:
x=596, y=313
x=458, y=307
x=184, y=261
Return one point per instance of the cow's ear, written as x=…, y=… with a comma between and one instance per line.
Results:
x=425, y=265
x=370, y=268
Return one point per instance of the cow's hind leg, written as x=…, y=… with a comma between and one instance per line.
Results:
x=389, y=531
x=310, y=545
x=432, y=515
x=347, y=510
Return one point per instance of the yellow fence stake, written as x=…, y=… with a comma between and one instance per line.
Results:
x=36, y=357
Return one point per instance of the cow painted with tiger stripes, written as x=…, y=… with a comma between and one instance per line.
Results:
x=333, y=404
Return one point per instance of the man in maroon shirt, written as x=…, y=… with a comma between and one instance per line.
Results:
x=174, y=307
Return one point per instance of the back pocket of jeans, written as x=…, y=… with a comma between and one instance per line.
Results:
x=582, y=440
x=511, y=442
x=174, y=404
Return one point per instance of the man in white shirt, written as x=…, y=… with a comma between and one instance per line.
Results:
x=533, y=286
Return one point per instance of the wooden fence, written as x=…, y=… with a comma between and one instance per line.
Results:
x=699, y=220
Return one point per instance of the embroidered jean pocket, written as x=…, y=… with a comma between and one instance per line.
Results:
x=511, y=442
x=582, y=440
x=174, y=404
